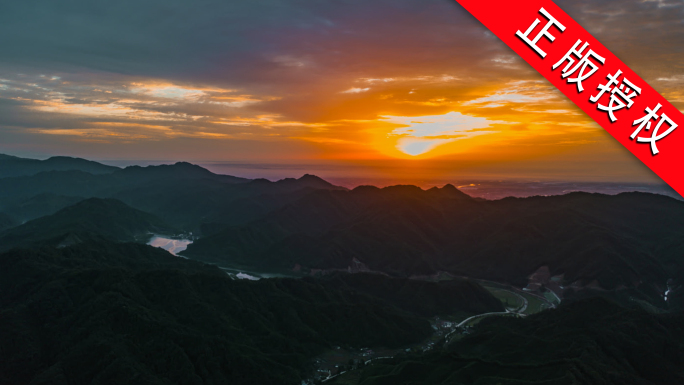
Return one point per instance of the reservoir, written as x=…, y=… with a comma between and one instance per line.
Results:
x=173, y=246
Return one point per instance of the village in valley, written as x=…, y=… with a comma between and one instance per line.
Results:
x=540, y=294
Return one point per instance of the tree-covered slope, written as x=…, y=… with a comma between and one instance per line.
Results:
x=102, y=313
x=101, y=218
x=182, y=194
x=40, y=205
x=614, y=240
x=426, y=298
x=588, y=342
x=7, y=221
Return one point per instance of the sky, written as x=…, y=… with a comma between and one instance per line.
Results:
x=400, y=89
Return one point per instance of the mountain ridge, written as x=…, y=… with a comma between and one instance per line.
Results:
x=404, y=230
x=103, y=312
x=90, y=218
x=16, y=166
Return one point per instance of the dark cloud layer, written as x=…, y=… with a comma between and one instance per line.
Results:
x=231, y=41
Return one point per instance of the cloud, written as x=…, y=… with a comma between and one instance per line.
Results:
x=305, y=77
x=523, y=92
x=422, y=134
x=355, y=90
x=674, y=79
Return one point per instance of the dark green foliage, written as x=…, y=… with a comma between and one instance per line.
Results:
x=676, y=294
x=640, y=297
x=102, y=313
x=425, y=298
x=92, y=311
x=89, y=219
x=588, y=342
x=182, y=194
x=39, y=206
x=7, y=221
x=617, y=240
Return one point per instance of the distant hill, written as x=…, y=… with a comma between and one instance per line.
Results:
x=182, y=194
x=584, y=239
x=587, y=342
x=14, y=166
x=39, y=206
x=103, y=313
x=627, y=241
x=178, y=170
x=83, y=301
x=91, y=218
x=81, y=183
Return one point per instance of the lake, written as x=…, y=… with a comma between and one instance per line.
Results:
x=173, y=246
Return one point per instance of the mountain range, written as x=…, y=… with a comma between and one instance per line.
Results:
x=104, y=312
x=585, y=240
x=16, y=166
x=572, y=289
x=589, y=342
x=90, y=218
x=183, y=194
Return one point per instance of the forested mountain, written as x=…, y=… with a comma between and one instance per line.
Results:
x=587, y=240
x=91, y=218
x=40, y=205
x=15, y=166
x=81, y=304
x=611, y=241
x=185, y=195
x=590, y=342
x=102, y=313
x=6, y=221
x=75, y=182
x=428, y=299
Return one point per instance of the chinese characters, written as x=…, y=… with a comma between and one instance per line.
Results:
x=543, y=33
x=585, y=61
x=646, y=122
x=617, y=94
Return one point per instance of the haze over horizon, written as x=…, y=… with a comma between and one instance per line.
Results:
x=389, y=90
x=360, y=175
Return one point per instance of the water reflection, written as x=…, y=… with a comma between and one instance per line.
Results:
x=173, y=246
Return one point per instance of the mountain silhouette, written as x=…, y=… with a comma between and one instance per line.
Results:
x=184, y=195
x=91, y=218
x=103, y=312
x=15, y=166
x=83, y=300
x=623, y=240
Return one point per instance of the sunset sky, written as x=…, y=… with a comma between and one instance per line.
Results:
x=385, y=88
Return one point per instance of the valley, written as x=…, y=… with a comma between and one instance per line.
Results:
x=301, y=281
x=172, y=245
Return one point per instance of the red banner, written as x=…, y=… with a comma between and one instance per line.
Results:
x=593, y=78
